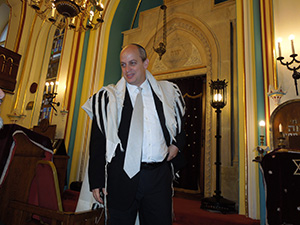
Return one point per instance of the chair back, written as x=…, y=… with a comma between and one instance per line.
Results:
x=48, y=187
x=23, y=153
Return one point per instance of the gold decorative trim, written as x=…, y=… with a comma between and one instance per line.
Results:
x=243, y=206
x=191, y=96
x=21, y=26
x=297, y=163
x=135, y=13
x=180, y=70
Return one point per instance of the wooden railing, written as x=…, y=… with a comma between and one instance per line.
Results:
x=21, y=214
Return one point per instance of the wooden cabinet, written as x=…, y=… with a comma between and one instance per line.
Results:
x=9, y=63
x=281, y=170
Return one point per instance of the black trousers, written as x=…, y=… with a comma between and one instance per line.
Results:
x=153, y=199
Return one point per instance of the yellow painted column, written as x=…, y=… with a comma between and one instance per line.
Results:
x=241, y=108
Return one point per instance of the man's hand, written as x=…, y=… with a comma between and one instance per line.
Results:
x=97, y=196
x=173, y=151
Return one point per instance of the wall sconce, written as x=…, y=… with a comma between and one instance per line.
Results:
x=50, y=95
x=296, y=75
x=218, y=99
x=262, y=125
x=261, y=148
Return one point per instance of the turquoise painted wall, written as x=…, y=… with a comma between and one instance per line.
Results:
x=145, y=5
x=259, y=92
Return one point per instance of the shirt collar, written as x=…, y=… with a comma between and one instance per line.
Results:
x=133, y=88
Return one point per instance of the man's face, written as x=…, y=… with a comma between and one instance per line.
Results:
x=133, y=68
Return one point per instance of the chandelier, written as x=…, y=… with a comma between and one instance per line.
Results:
x=78, y=15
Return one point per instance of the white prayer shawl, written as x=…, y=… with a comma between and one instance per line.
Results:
x=167, y=92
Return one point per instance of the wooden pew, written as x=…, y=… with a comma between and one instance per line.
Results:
x=21, y=171
x=15, y=189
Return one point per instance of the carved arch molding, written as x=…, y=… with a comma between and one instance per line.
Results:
x=189, y=53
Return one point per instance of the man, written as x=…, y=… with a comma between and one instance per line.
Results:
x=147, y=191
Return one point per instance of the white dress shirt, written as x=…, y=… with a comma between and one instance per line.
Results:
x=154, y=144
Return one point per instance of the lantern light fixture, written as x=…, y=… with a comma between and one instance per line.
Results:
x=218, y=99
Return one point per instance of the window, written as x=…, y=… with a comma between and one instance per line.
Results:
x=3, y=36
x=50, y=90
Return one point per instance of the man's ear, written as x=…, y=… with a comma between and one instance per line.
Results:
x=146, y=63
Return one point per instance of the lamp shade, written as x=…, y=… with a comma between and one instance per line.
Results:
x=218, y=93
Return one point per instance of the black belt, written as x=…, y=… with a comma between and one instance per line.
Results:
x=152, y=165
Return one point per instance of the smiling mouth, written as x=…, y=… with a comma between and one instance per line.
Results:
x=130, y=75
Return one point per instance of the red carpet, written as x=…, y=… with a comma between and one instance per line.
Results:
x=188, y=212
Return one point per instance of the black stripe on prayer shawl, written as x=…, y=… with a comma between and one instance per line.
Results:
x=100, y=112
x=180, y=98
x=106, y=104
x=161, y=116
x=100, y=108
x=180, y=116
x=98, y=97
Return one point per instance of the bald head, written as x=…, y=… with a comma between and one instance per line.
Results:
x=142, y=51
